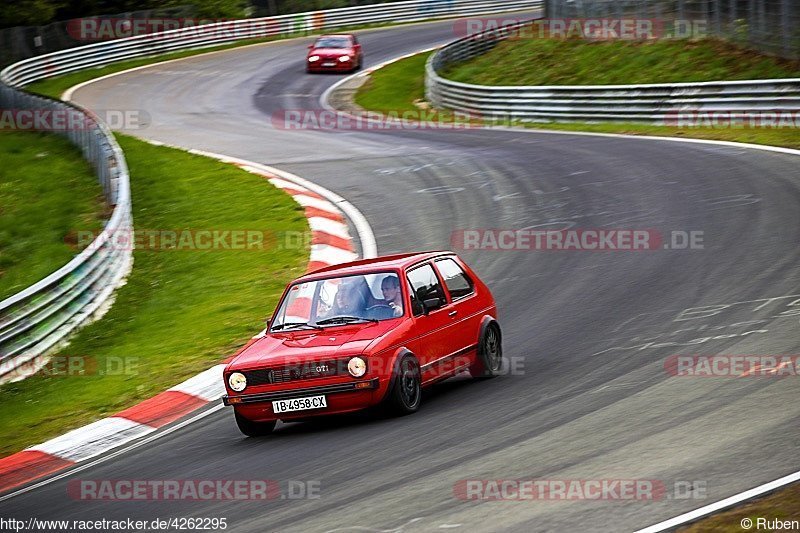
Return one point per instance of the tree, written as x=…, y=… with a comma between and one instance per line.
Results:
x=29, y=13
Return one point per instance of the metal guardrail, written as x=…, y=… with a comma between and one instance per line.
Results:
x=663, y=103
x=36, y=320
x=100, y=54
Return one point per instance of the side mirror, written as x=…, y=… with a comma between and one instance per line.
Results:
x=431, y=304
x=267, y=321
x=310, y=46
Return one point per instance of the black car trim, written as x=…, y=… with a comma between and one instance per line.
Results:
x=297, y=393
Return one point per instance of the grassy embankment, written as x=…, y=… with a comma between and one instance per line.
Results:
x=400, y=86
x=181, y=311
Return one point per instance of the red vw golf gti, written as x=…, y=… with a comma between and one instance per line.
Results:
x=336, y=53
x=351, y=336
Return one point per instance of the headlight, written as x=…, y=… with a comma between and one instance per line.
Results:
x=344, y=59
x=313, y=58
x=237, y=381
x=357, y=367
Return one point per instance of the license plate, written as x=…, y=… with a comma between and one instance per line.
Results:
x=299, y=404
x=330, y=64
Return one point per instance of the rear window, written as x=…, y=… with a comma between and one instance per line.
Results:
x=456, y=280
x=425, y=285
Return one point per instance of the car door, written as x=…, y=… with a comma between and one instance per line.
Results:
x=465, y=312
x=436, y=324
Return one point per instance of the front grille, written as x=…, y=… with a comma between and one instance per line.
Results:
x=259, y=377
x=296, y=372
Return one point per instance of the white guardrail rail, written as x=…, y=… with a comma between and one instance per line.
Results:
x=38, y=319
x=662, y=103
x=35, y=320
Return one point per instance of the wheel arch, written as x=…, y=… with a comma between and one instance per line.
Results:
x=486, y=321
x=395, y=365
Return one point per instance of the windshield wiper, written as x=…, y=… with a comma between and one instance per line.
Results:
x=345, y=320
x=295, y=325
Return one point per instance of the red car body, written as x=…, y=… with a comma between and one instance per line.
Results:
x=334, y=53
x=419, y=343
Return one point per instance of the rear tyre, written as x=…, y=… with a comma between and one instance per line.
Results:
x=405, y=395
x=490, y=354
x=253, y=429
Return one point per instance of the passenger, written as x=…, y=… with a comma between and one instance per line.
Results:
x=390, y=287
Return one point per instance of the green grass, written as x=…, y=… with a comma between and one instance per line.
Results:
x=47, y=191
x=396, y=87
x=782, y=505
x=578, y=62
x=180, y=311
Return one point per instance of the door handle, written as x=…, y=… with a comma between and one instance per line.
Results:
x=452, y=313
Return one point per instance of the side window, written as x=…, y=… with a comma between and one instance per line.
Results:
x=457, y=281
x=416, y=305
x=425, y=284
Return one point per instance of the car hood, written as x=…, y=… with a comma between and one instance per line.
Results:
x=276, y=349
x=331, y=52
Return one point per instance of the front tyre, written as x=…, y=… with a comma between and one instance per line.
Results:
x=253, y=429
x=405, y=395
x=490, y=354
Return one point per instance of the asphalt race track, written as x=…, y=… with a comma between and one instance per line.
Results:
x=588, y=331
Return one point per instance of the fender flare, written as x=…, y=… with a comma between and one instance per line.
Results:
x=399, y=354
x=486, y=321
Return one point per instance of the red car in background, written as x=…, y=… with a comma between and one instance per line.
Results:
x=335, y=53
x=351, y=336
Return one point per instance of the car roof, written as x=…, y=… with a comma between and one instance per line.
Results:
x=387, y=262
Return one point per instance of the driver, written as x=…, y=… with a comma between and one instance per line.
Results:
x=390, y=287
x=349, y=301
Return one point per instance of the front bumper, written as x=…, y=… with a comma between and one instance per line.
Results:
x=338, y=67
x=258, y=397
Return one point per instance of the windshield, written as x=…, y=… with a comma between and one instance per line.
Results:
x=340, y=300
x=332, y=42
